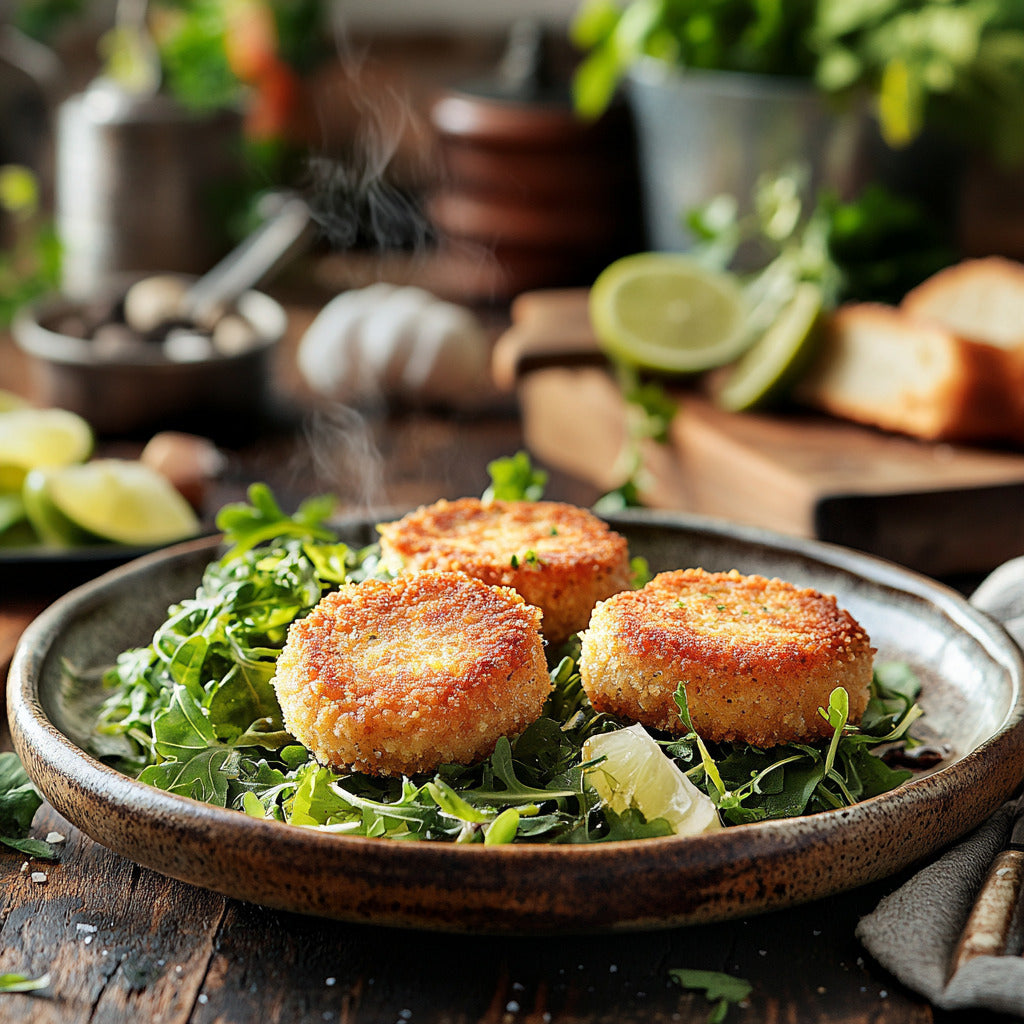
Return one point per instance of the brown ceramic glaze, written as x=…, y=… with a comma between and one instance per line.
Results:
x=971, y=670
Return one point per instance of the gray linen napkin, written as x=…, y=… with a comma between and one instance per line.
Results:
x=913, y=931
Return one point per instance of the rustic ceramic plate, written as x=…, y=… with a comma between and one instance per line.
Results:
x=972, y=675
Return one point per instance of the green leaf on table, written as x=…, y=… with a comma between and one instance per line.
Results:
x=19, y=801
x=718, y=988
x=23, y=983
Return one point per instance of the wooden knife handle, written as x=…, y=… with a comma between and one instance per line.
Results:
x=991, y=918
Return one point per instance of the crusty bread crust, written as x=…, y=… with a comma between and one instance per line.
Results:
x=400, y=676
x=881, y=367
x=980, y=299
x=757, y=657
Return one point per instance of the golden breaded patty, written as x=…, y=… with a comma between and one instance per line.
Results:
x=401, y=676
x=561, y=558
x=758, y=657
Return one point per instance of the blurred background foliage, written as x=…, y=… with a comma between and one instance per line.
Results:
x=953, y=66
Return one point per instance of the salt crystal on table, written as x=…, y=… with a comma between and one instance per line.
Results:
x=38, y=877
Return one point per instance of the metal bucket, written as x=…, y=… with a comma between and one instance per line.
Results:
x=704, y=133
x=137, y=181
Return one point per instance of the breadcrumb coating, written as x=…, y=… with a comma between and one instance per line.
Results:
x=757, y=656
x=397, y=677
x=561, y=558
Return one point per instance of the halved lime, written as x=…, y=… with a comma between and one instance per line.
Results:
x=107, y=499
x=635, y=773
x=769, y=368
x=664, y=311
x=34, y=438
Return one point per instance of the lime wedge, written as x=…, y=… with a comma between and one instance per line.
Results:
x=34, y=438
x=107, y=499
x=663, y=311
x=768, y=369
x=635, y=773
x=51, y=526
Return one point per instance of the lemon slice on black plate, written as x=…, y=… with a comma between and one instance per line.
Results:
x=113, y=500
x=31, y=438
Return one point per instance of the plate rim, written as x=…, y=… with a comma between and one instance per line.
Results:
x=44, y=748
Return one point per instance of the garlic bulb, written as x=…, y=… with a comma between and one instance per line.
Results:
x=396, y=341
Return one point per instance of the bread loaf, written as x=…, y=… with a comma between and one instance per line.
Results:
x=981, y=299
x=882, y=367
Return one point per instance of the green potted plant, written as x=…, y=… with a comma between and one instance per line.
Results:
x=726, y=89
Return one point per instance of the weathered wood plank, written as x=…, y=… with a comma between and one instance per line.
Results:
x=120, y=943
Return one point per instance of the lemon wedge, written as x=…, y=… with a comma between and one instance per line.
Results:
x=114, y=500
x=665, y=312
x=40, y=438
x=635, y=773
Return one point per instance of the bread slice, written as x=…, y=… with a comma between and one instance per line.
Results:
x=879, y=366
x=981, y=299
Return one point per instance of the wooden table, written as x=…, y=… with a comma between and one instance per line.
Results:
x=123, y=944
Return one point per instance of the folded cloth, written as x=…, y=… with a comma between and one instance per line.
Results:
x=914, y=931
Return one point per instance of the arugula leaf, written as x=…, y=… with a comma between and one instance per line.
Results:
x=204, y=776
x=247, y=525
x=640, y=572
x=752, y=784
x=515, y=479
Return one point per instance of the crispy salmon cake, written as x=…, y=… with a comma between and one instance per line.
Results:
x=561, y=558
x=758, y=657
x=400, y=676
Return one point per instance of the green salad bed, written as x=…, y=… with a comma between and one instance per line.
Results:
x=195, y=713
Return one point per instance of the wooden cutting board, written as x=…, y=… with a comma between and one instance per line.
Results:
x=938, y=508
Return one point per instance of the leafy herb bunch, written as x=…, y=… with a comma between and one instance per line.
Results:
x=953, y=65
x=195, y=713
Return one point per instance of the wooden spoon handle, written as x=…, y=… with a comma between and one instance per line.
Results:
x=991, y=917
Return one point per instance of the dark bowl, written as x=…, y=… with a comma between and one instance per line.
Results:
x=124, y=394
